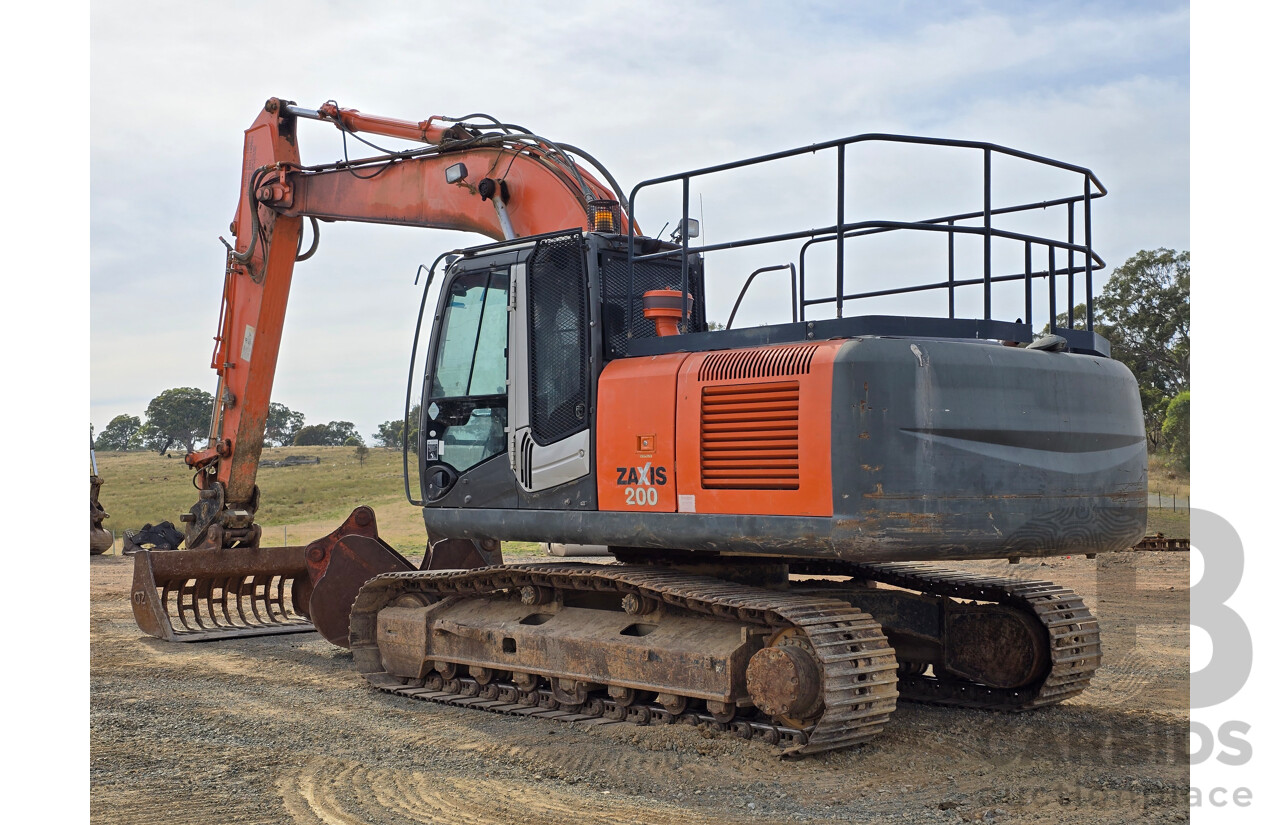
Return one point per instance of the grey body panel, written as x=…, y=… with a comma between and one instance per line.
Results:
x=772, y=536
x=976, y=450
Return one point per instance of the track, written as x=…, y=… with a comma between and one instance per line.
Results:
x=859, y=671
x=856, y=661
x=1160, y=542
x=1074, y=643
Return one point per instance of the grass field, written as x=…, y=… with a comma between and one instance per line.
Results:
x=1167, y=478
x=299, y=504
x=303, y=503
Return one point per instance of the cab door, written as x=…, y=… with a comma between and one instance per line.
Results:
x=549, y=368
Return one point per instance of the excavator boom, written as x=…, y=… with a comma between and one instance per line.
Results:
x=486, y=177
x=498, y=185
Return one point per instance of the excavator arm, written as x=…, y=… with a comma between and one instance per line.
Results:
x=474, y=174
x=490, y=178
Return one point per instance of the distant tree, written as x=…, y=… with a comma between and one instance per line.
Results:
x=312, y=435
x=1177, y=428
x=333, y=434
x=362, y=452
x=342, y=430
x=120, y=434
x=282, y=425
x=389, y=433
x=177, y=416
x=149, y=438
x=353, y=441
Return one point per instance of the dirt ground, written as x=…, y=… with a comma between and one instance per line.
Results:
x=283, y=730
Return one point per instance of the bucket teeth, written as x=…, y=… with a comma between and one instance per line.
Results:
x=204, y=595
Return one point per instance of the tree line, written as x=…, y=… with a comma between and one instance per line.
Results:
x=179, y=417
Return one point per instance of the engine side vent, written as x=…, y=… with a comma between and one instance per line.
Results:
x=750, y=435
x=766, y=362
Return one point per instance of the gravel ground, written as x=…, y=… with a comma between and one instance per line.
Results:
x=283, y=730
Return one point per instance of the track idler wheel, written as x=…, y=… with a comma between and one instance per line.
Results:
x=785, y=680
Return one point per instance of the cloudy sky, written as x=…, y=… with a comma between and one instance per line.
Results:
x=647, y=87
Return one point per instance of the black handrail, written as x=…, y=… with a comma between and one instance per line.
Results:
x=794, y=307
x=841, y=230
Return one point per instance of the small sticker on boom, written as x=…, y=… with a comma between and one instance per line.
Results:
x=246, y=345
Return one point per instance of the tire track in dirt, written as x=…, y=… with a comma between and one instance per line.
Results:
x=1121, y=680
x=257, y=662
x=106, y=807
x=648, y=756
x=336, y=792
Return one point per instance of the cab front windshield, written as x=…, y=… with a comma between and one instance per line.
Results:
x=467, y=400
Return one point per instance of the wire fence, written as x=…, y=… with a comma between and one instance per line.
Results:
x=1161, y=501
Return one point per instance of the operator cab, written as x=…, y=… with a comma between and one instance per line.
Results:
x=523, y=330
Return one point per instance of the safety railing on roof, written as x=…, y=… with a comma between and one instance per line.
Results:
x=1067, y=255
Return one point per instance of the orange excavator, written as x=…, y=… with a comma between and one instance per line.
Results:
x=769, y=493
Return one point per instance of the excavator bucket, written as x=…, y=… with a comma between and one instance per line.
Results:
x=204, y=595
x=339, y=564
x=343, y=561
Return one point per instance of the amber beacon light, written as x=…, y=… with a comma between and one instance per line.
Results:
x=606, y=216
